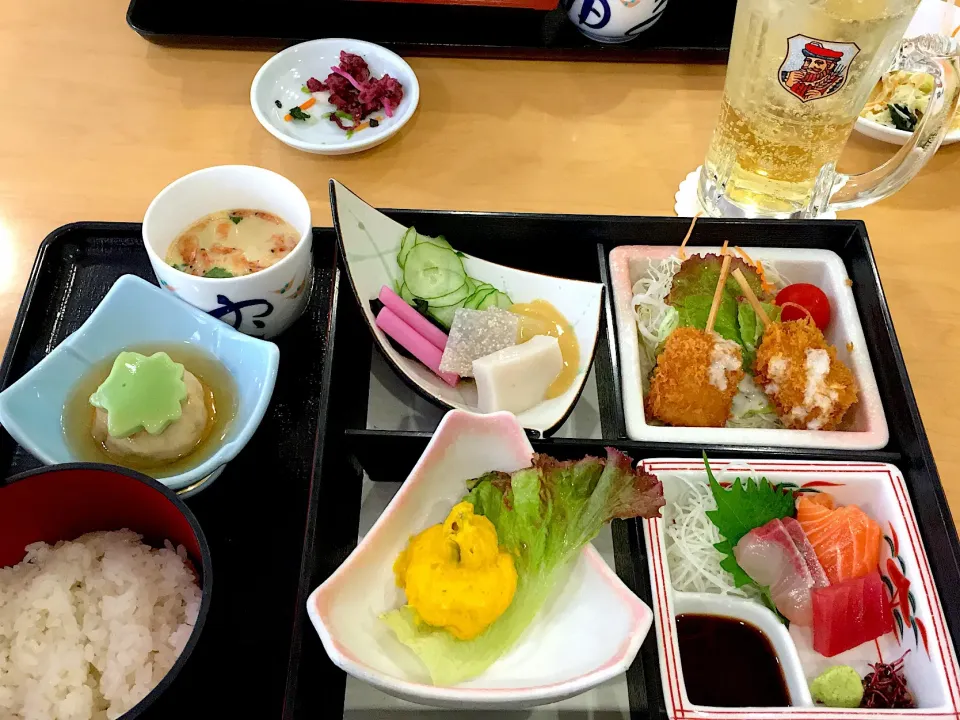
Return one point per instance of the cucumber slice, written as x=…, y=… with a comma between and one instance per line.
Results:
x=503, y=300
x=406, y=245
x=473, y=302
x=439, y=241
x=455, y=298
x=472, y=284
x=489, y=301
x=406, y=294
x=432, y=272
x=444, y=315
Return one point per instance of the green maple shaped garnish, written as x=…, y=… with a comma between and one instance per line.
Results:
x=141, y=393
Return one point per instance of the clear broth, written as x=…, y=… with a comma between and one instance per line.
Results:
x=220, y=394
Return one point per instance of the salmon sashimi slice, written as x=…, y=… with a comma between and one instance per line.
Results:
x=845, y=539
x=822, y=498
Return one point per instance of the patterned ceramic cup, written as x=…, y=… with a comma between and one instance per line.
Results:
x=262, y=304
x=614, y=21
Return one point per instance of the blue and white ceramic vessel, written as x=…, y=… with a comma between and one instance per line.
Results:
x=614, y=21
x=263, y=304
x=133, y=313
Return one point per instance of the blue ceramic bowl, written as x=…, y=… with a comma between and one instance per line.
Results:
x=135, y=312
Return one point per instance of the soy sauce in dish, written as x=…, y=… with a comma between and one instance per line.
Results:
x=729, y=663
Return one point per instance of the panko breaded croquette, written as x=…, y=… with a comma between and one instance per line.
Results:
x=695, y=379
x=800, y=372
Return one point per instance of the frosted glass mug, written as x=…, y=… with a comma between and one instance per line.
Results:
x=799, y=73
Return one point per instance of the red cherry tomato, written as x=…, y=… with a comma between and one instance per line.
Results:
x=808, y=296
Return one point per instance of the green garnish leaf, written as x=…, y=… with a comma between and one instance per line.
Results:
x=343, y=115
x=304, y=88
x=903, y=118
x=297, y=114
x=692, y=294
x=751, y=329
x=422, y=306
x=543, y=515
x=235, y=219
x=182, y=267
x=740, y=509
x=218, y=272
x=349, y=134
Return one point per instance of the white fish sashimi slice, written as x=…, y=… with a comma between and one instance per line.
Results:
x=769, y=555
x=806, y=550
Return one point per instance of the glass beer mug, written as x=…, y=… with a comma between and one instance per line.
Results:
x=799, y=73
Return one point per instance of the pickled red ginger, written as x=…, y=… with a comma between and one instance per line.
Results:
x=779, y=555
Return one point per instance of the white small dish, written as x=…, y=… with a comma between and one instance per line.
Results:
x=369, y=243
x=262, y=304
x=866, y=423
x=588, y=633
x=284, y=75
x=135, y=313
x=930, y=667
x=761, y=618
x=932, y=16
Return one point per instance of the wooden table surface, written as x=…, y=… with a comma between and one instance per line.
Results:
x=97, y=121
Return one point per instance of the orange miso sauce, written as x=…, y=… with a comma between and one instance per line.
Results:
x=541, y=318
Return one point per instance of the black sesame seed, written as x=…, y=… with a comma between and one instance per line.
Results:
x=374, y=122
x=278, y=103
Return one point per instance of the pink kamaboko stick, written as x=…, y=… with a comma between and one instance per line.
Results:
x=411, y=317
x=416, y=344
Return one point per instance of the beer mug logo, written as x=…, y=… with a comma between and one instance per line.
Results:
x=816, y=68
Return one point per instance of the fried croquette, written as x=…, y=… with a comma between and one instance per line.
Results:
x=800, y=372
x=695, y=379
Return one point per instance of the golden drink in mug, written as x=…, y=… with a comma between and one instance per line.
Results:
x=799, y=73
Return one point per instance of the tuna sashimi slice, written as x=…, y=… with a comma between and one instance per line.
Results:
x=770, y=556
x=846, y=540
x=799, y=538
x=850, y=613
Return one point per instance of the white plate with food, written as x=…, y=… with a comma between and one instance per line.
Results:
x=468, y=333
x=334, y=96
x=825, y=559
x=893, y=107
x=544, y=618
x=750, y=393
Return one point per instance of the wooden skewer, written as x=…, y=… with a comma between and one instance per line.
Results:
x=680, y=253
x=718, y=293
x=752, y=298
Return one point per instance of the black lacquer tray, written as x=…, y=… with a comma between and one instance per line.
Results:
x=290, y=508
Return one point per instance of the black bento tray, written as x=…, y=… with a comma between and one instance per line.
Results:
x=285, y=514
x=419, y=29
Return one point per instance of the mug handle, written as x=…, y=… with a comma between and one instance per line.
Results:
x=855, y=191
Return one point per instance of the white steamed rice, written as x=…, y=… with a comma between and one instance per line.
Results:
x=89, y=627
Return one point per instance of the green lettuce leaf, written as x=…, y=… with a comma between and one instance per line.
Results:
x=694, y=310
x=544, y=515
x=691, y=294
x=751, y=329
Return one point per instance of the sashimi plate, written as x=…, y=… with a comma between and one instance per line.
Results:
x=369, y=243
x=865, y=425
x=920, y=632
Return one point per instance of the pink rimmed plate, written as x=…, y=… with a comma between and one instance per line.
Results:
x=920, y=629
x=589, y=632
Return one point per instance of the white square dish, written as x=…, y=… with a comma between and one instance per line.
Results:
x=930, y=666
x=589, y=632
x=865, y=425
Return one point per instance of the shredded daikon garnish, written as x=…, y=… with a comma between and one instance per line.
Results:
x=692, y=559
x=655, y=319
